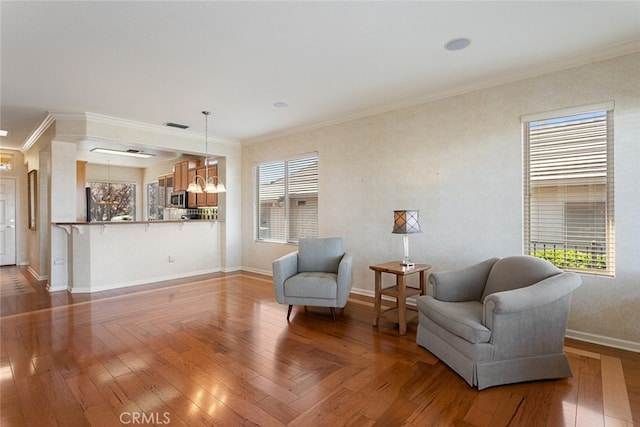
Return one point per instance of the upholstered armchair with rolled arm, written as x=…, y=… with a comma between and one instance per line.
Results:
x=500, y=321
x=319, y=274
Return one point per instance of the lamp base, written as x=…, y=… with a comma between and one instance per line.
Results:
x=407, y=263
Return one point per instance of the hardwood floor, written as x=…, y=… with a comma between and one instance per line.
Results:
x=217, y=350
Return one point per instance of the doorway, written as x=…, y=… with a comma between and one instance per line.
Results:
x=7, y=221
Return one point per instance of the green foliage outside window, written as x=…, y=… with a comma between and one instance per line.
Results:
x=571, y=258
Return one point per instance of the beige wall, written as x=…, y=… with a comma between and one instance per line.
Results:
x=459, y=161
x=38, y=245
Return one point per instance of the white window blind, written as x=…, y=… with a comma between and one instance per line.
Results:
x=287, y=199
x=568, y=200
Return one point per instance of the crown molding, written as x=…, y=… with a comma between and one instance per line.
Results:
x=37, y=133
x=53, y=116
x=146, y=127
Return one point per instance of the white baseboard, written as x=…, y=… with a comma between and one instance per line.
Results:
x=602, y=340
x=36, y=276
x=56, y=288
x=363, y=292
x=257, y=271
x=89, y=289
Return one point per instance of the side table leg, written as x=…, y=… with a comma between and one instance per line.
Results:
x=378, y=298
x=402, y=314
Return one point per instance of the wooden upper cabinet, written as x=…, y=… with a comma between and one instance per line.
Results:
x=177, y=177
x=181, y=175
x=81, y=194
x=207, y=199
x=212, y=198
x=192, y=200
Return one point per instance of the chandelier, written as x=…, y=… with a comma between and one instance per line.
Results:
x=206, y=184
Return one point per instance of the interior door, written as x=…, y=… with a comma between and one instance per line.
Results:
x=7, y=221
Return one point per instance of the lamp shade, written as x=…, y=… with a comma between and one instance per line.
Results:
x=210, y=188
x=194, y=187
x=406, y=222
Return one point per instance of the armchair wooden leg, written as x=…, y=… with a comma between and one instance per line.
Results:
x=333, y=313
x=289, y=311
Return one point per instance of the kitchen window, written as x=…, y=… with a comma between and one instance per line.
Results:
x=568, y=188
x=154, y=211
x=286, y=199
x=112, y=201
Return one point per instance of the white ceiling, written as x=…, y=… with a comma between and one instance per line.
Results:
x=161, y=61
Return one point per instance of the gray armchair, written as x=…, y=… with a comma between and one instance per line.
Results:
x=500, y=321
x=319, y=274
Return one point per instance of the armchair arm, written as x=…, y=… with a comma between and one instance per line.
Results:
x=530, y=320
x=345, y=278
x=283, y=268
x=465, y=284
x=539, y=294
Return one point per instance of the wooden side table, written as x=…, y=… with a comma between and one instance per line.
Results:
x=400, y=292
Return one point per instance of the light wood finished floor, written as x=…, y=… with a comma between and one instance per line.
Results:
x=217, y=350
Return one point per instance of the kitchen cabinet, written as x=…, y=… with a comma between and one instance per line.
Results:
x=207, y=199
x=181, y=174
x=200, y=200
x=192, y=199
x=165, y=188
x=81, y=194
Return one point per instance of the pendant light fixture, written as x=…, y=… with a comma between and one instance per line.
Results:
x=207, y=185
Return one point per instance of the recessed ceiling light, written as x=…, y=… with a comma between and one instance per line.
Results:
x=4, y=132
x=129, y=153
x=457, y=44
x=280, y=104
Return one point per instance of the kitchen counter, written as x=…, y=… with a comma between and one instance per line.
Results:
x=110, y=255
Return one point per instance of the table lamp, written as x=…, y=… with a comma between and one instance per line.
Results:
x=406, y=222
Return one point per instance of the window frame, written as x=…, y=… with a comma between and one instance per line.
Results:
x=608, y=232
x=291, y=235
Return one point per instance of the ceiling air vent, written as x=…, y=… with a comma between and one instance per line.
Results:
x=176, y=125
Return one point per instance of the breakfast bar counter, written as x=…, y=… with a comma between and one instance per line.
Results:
x=110, y=255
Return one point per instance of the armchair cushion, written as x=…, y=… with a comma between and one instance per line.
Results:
x=312, y=285
x=322, y=254
x=463, y=319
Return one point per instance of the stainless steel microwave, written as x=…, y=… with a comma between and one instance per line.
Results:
x=179, y=199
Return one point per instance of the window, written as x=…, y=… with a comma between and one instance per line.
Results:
x=112, y=201
x=568, y=188
x=287, y=199
x=6, y=161
x=154, y=211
